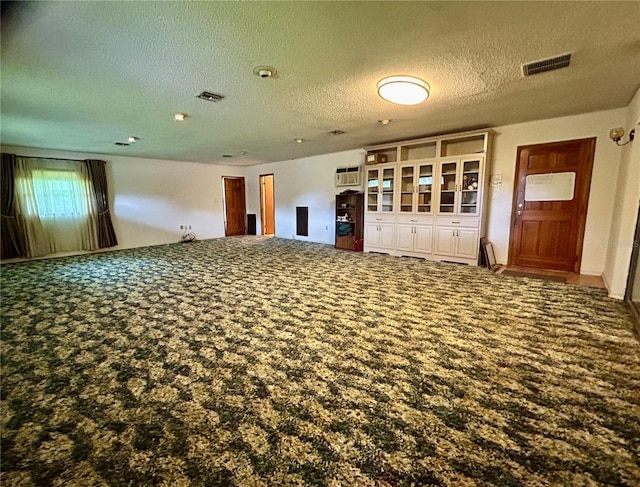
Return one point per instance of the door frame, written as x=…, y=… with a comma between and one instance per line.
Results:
x=584, y=197
x=224, y=203
x=633, y=270
x=262, y=203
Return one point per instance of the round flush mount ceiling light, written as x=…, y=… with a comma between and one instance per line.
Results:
x=403, y=90
x=179, y=117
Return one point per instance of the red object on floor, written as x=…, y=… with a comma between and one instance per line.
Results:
x=357, y=245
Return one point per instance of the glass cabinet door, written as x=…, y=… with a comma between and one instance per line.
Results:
x=448, y=187
x=470, y=187
x=373, y=189
x=388, y=177
x=407, y=187
x=425, y=184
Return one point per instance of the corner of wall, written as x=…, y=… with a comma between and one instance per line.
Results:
x=624, y=215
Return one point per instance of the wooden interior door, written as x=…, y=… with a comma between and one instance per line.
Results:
x=235, y=210
x=547, y=223
x=267, y=207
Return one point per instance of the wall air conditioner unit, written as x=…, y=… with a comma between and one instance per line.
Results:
x=348, y=176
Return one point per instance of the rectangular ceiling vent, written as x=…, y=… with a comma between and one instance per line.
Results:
x=208, y=96
x=545, y=65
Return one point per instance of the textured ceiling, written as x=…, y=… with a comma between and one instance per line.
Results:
x=80, y=76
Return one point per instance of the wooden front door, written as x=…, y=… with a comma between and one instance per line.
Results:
x=267, y=213
x=550, y=204
x=235, y=211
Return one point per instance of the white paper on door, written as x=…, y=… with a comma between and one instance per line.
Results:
x=557, y=186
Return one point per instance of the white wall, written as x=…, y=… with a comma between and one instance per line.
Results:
x=625, y=211
x=303, y=182
x=151, y=198
x=603, y=181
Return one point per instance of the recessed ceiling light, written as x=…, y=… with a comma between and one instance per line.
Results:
x=179, y=117
x=299, y=141
x=403, y=90
x=242, y=152
x=265, y=71
x=133, y=139
x=385, y=121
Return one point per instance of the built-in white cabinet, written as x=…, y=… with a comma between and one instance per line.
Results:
x=380, y=195
x=415, y=238
x=416, y=187
x=425, y=197
x=379, y=235
x=453, y=241
x=461, y=184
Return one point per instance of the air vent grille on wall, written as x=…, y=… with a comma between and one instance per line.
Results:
x=208, y=96
x=545, y=65
x=348, y=176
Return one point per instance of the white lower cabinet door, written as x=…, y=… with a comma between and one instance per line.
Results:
x=405, y=237
x=371, y=238
x=386, y=236
x=423, y=238
x=467, y=242
x=445, y=241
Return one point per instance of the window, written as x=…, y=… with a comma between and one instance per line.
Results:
x=55, y=204
x=56, y=194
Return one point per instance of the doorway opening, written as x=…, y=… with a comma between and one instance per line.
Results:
x=235, y=213
x=550, y=199
x=267, y=205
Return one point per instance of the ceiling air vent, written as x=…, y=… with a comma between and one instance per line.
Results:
x=545, y=65
x=336, y=132
x=208, y=96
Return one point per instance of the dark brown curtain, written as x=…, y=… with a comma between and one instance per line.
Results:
x=98, y=176
x=11, y=234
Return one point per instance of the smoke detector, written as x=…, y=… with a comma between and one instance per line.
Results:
x=264, y=71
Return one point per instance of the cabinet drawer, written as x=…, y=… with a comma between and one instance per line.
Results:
x=380, y=218
x=415, y=219
x=458, y=222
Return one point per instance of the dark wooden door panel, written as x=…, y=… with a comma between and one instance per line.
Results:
x=549, y=234
x=235, y=210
